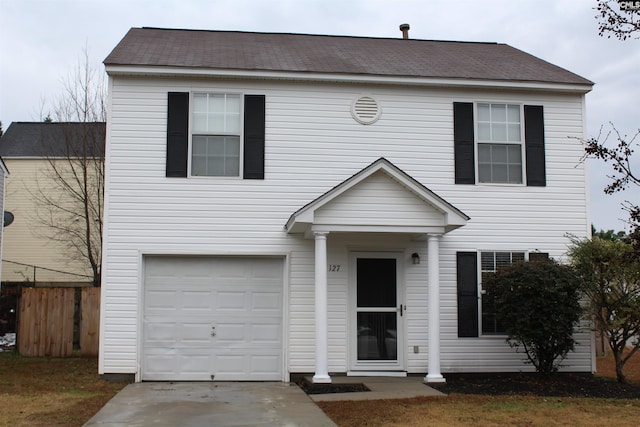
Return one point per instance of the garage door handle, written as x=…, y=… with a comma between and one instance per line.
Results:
x=213, y=331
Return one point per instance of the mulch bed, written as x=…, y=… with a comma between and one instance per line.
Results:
x=311, y=388
x=562, y=384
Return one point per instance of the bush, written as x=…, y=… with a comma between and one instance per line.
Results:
x=539, y=303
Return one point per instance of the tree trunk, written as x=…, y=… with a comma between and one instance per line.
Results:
x=619, y=365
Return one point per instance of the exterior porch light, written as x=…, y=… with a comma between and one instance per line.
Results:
x=415, y=258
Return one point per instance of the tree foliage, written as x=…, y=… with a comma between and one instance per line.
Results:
x=610, y=279
x=538, y=302
x=617, y=19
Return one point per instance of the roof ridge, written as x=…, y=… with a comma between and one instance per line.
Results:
x=313, y=35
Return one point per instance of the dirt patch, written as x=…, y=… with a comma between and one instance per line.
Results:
x=311, y=388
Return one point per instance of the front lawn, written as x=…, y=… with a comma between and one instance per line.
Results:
x=42, y=391
x=503, y=403
x=67, y=392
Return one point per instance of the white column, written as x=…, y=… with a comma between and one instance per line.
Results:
x=322, y=341
x=433, y=264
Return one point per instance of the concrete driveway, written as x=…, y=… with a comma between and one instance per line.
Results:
x=210, y=404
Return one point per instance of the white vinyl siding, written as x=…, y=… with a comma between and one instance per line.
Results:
x=313, y=144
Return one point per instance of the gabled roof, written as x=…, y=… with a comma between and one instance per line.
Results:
x=451, y=217
x=303, y=53
x=40, y=140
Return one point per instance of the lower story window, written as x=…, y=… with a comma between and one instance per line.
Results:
x=489, y=263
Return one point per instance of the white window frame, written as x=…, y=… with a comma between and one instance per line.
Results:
x=240, y=134
x=478, y=141
x=482, y=292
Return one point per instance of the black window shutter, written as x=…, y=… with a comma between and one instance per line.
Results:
x=534, y=145
x=177, y=134
x=538, y=256
x=463, y=143
x=467, y=276
x=254, y=109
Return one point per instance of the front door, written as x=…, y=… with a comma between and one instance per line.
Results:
x=377, y=313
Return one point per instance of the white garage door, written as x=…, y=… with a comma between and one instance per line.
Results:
x=212, y=318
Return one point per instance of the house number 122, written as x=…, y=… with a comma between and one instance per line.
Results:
x=334, y=267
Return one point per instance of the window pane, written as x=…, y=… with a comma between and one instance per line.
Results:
x=216, y=103
x=498, y=154
x=498, y=132
x=215, y=166
x=500, y=173
x=513, y=114
x=199, y=145
x=484, y=153
x=513, y=131
x=484, y=132
x=200, y=103
x=515, y=174
x=498, y=113
x=484, y=173
x=377, y=336
x=376, y=282
x=199, y=166
x=487, y=261
x=483, y=113
x=232, y=146
x=503, y=259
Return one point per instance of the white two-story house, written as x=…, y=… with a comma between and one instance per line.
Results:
x=279, y=204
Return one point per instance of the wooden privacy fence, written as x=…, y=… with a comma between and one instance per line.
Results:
x=46, y=321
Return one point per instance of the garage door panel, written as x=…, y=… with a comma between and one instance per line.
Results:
x=184, y=298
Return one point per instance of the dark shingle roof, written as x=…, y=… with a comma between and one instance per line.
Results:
x=334, y=54
x=38, y=139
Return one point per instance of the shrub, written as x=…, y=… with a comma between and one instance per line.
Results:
x=539, y=303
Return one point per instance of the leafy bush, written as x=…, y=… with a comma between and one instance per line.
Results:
x=610, y=280
x=539, y=303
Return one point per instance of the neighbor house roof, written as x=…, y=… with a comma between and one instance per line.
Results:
x=303, y=53
x=38, y=139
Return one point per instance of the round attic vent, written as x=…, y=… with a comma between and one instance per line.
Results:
x=365, y=110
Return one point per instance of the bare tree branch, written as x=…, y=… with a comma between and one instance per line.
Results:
x=70, y=192
x=617, y=18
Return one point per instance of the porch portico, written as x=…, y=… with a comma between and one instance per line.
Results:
x=384, y=200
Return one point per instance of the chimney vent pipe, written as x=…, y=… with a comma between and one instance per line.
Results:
x=405, y=30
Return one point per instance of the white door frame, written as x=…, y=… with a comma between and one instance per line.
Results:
x=380, y=368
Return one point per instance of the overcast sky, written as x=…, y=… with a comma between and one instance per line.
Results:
x=42, y=40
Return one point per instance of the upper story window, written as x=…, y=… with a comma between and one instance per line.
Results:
x=223, y=134
x=499, y=143
x=216, y=134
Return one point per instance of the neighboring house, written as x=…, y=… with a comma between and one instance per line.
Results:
x=279, y=204
x=29, y=254
x=4, y=174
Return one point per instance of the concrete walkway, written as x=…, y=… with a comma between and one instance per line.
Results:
x=210, y=404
